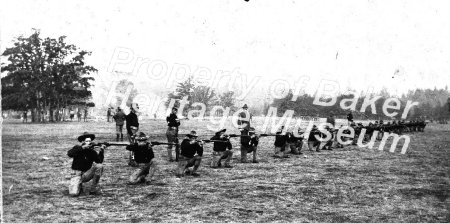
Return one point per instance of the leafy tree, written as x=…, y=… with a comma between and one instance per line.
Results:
x=45, y=75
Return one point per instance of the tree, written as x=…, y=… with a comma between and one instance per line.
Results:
x=45, y=75
x=194, y=94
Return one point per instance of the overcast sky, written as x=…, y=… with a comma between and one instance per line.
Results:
x=399, y=45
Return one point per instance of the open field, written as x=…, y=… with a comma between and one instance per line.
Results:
x=345, y=185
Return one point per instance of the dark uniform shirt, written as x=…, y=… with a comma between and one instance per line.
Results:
x=83, y=158
x=221, y=146
x=132, y=120
x=142, y=154
x=119, y=117
x=280, y=140
x=172, y=120
x=188, y=150
x=314, y=135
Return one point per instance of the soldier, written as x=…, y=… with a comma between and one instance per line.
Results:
x=331, y=119
x=350, y=118
x=119, y=118
x=328, y=145
x=108, y=114
x=83, y=166
x=244, y=118
x=132, y=126
x=249, y=144
x=189, y=147
x=143, y=155
x=222, y=150
x=295, y=143
x=313, y=139
x=85, y=113
x=172, y=134
x=281, y=144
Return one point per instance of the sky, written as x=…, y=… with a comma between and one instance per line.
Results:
x=398, y=45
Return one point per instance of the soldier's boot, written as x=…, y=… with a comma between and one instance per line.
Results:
x=228, y=159
x=117, y=138
x=243, y=156
x=121, y=137
x=95, y=189
x=215, y=162
x=177, y=153
x=196, y=165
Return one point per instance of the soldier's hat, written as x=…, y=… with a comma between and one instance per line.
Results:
x=192, y=134
x=245, y=106
x=251, y=130
x=221, y=131
x=85, y=135
x=175, y=108
x=141, y=137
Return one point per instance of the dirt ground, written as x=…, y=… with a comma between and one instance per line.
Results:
x=345, y=185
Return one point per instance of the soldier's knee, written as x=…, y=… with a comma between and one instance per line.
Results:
x=98, y=168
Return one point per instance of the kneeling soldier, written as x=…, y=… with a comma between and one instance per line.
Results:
x=314, y=139
x=249, y=144
x=143, y=155
x=295, y=143
x=222, y=150
x=189, y=147
x=84, y=168
x=281, y=144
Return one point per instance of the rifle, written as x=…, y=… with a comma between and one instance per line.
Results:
x=154, y=143
x=107, y=144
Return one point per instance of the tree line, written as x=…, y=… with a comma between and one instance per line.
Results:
x=433, y=105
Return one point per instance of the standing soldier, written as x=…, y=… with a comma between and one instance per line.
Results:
x=143, y=154
x=249, y=144
x=108, y=114
x=79, y=114
x=25, y=118
x=189, y=147
x=350, y=118
x=222, y=149
x=83, y=166
x=172, y=134
x=85, y=113
x=244, y=119
x=119, y=117
x=132, y=126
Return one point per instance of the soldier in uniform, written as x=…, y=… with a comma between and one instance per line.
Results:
x=350, y=118
x=188, y=158
x=143, y=155
x=86, y=165
x=295, y=143
x=249, y=144
x=313, y=139
x=281, y=144
x=172, y=134
x=222, y=150
x=119, y=117
x=244, y=119
x=132, y=126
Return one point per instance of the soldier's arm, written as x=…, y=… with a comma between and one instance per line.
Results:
x=150, y=151
x=200, y=150
x=74, y=151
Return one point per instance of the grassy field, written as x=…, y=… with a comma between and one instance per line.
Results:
x=345, y=185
